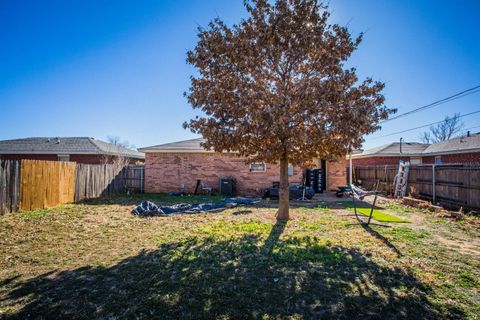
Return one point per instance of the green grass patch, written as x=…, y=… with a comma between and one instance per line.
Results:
x=157, y=198
x=380, y=216
x=405, y=234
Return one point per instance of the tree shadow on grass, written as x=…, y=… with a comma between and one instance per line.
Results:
x=238, y=278
x=380, y=237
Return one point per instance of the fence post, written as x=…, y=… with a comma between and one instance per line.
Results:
x=434, y=200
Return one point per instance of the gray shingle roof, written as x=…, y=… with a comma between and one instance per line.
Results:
x=65, y=145
x=393, y=149
x=456, y=145
x=192, y=145
x=462, y=144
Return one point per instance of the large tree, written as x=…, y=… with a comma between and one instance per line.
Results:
x=274, y=88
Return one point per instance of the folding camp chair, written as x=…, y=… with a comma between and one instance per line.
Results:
x=361, y=194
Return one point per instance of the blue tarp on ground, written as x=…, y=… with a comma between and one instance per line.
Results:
x=148, y=208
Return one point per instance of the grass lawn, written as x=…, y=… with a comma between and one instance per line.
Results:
x=97, y=260
x=377, y=214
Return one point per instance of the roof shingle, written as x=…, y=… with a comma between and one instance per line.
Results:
x=462, y=144
x=393, y=149
x=192, y=145
x=65, y=145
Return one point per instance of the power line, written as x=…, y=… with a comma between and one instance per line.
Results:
x=423, y=126
x=437, y=103
x=472, y=128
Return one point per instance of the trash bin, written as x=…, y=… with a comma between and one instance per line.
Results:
x=227, y=186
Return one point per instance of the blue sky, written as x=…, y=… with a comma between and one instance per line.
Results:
x=99, y=68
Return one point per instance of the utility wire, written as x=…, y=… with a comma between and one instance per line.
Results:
x=472, y=128
x=437, y=103
x=423, y=126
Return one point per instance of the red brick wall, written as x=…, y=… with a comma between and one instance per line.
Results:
x=336, y=174
x=165, y=172
x=377, y=161
x=466, y=158
x=80, y=158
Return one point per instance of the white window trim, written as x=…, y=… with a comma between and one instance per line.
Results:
x=258, y=163
x=438, y=157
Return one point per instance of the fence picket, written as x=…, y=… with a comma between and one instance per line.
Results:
x=456, y=185
x=32, y=184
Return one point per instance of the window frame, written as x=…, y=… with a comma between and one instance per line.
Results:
x=291, y=170
x=258, y=163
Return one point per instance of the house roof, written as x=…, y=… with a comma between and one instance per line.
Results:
x=393, y=150
x=458, y=145
x=464, y=144
x=192, y=145
x=65, y=145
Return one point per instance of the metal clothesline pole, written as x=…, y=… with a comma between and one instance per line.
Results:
x=350, y=173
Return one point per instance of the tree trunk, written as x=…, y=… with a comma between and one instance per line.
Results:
x=283, y=207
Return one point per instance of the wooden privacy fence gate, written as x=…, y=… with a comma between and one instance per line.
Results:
x=33, y=184
x=454, y=185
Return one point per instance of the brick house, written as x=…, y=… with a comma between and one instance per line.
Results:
x=390, y=154
x=177, y=166
x=462, y=150
x=76, y=149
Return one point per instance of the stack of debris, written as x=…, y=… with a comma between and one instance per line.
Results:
x=148, y=208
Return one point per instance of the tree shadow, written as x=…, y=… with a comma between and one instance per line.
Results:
x=238, y=278
x=380, y=237
x=274, y=236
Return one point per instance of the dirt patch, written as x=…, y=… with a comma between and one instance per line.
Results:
x=470, y=247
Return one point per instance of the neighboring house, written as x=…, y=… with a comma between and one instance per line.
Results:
x=77, y=149
x=463, y=150
x=177, y=166
x=390, y=154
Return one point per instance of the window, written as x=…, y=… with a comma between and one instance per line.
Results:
x=438, y=160
x=258, y=167
x=290, y=170
x=415, y=161
x=63, y=157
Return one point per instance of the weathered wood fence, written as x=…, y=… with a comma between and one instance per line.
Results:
x=451, y=185
x=93, y=181
x=134, y=177
x=33, y=184
x=9, y=186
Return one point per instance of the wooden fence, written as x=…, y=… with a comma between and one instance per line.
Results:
x=134, y=178
x=99, y=180
x=451, y=185
x=45, y=184
x=33, y=184
x=9, y=185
